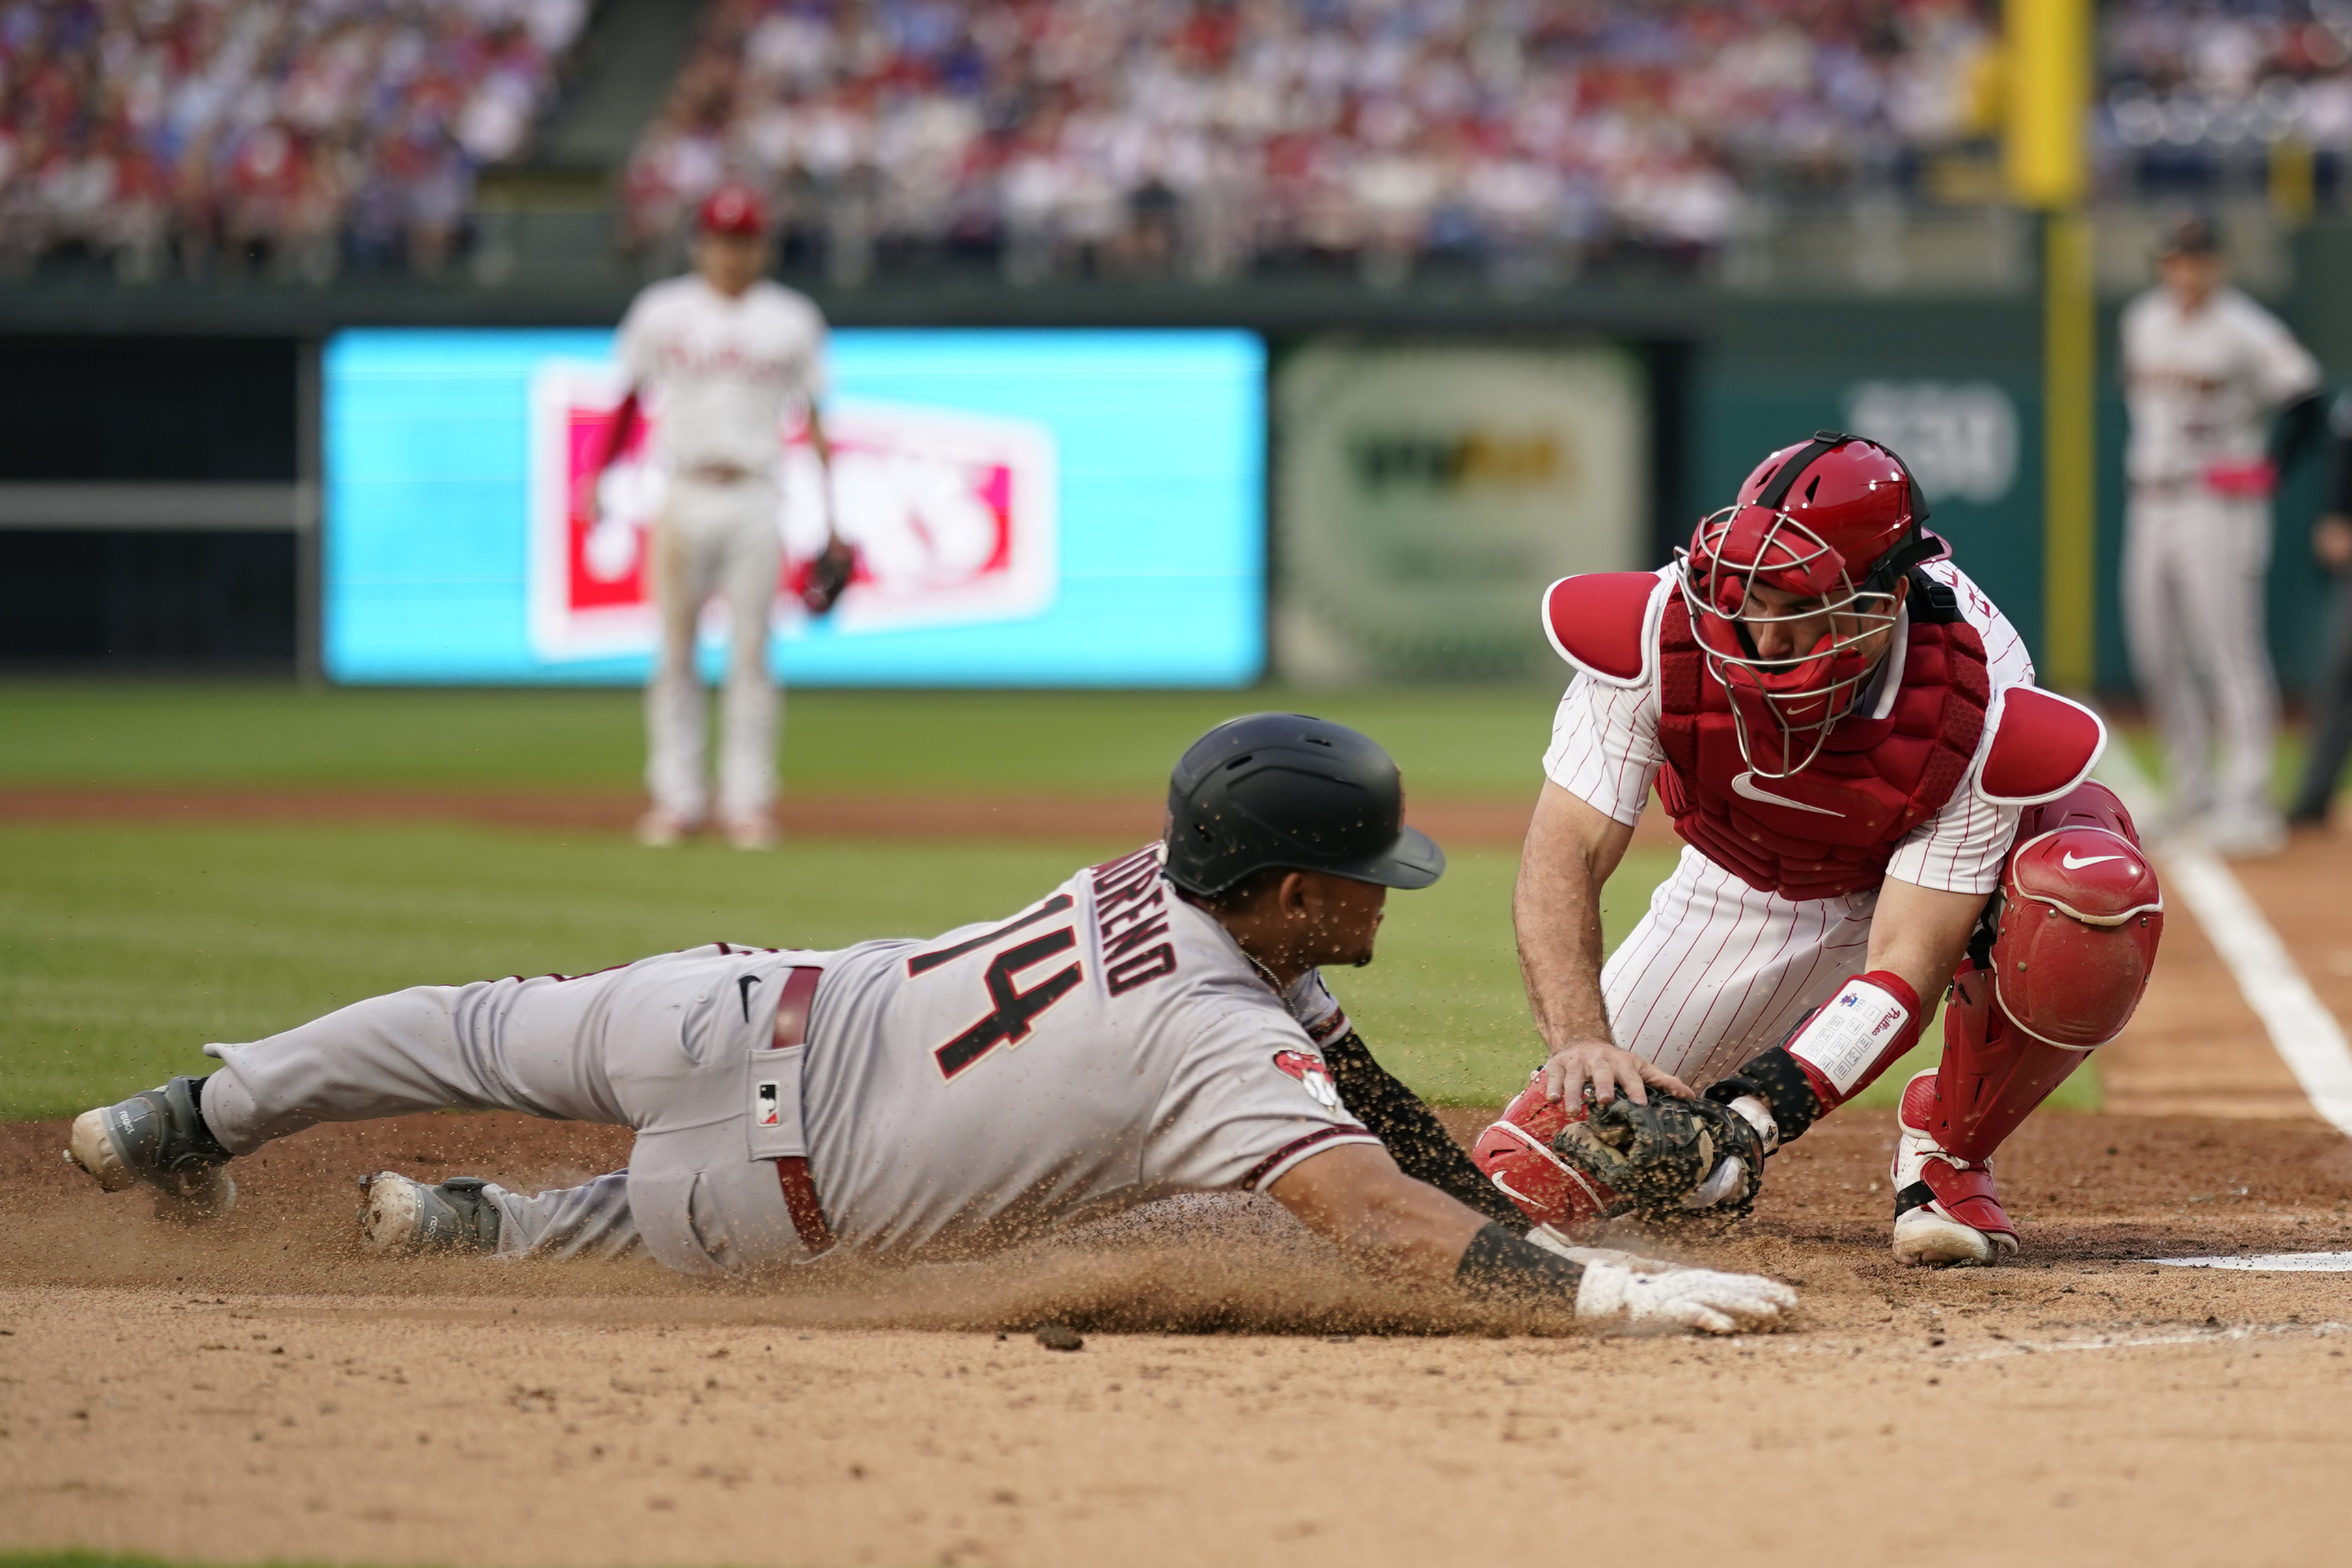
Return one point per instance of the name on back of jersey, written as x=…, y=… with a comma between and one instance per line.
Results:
x=1131, y=917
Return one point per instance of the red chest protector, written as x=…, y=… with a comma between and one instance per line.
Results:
x=1831, y=829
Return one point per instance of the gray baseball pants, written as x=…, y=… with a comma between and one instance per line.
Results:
x=663, y=1045
x=722, y=540
x=2195, y=566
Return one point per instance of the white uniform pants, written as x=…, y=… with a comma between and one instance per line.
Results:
x=1716, y=971
x=2194, y=569
x=718, y=538
x=661, y=1045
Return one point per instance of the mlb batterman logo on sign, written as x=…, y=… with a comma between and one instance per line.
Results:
x=953, y=514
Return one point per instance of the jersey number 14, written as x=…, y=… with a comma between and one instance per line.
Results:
x=1014, y=1012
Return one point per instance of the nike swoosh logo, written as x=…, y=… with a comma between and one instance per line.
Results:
x=1744, y=786
x=744, y=983
x=2071, y=863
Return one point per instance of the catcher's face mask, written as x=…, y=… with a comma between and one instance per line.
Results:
x=1785, y=628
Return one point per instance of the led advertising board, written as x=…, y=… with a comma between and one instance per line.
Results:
x=1031, y=508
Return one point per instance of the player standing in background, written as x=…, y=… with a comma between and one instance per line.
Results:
x=1154, y=1026
x=2331, y=705
x=2204, y=367
x=1877, y=805
x=721, y=356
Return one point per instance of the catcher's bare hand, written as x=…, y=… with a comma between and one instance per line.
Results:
x=1608, y=1069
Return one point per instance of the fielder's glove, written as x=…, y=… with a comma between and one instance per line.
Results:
x=1670, y=1159
x=828, y=575
x=1700, y=1299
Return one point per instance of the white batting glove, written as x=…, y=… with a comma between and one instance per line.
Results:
x=1699, y=1300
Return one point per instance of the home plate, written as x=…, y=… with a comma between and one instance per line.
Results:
x=2270, y=1263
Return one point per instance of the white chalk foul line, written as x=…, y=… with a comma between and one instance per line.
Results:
x=2268, y=1262
x=2304, y=1032
x=2148, y=1342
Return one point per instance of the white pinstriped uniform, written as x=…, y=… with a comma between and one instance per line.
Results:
x=1716, y=971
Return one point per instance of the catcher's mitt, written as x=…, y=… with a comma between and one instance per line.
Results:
x=828, y=575
x=1670, y=1159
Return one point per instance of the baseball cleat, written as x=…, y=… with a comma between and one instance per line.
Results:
x=157, y=1136
x=2251, y=836
x=752, y=832
x=405, y=1217
x=660, y=830
x=1947, y=1214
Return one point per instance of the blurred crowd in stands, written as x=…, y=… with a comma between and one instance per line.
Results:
x=2192, y=87
x=293, y=135
x=1198, y=138
x=1204, y=135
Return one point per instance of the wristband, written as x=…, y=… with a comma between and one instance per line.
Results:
x=1856, y=1035
x=1499, y=1266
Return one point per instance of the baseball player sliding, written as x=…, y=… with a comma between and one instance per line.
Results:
x=1877, y=805
x=1155, y=1025
x=721, y=355
x=2204, y=367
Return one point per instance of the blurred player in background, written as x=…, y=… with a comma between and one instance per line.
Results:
x=2204, y=367
x=2331, y=702
x=721, y=356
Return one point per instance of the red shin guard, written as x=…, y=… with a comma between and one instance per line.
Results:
x=1993, y=1074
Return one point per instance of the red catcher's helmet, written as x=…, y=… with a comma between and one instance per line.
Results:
x=1836, y=520
x=736, y=210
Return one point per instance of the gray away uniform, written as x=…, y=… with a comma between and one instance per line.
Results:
x=1106, y=1046
x=2199, y=389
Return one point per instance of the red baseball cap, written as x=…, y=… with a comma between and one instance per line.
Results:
x=734, y=209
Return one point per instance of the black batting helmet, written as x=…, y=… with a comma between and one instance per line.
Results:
x=1282, y=789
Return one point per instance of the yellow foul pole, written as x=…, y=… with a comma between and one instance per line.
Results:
x=2048, y=47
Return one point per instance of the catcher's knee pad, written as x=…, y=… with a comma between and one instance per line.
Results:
x=2058, y=968
x=2075, y=927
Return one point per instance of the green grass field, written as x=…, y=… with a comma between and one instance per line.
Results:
x=1473, y=740
x=125, y=947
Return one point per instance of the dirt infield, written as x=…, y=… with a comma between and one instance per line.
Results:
x=257, y=1390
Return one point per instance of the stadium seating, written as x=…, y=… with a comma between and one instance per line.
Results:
x=1206, y=136
x=1202, y=136
x=295, y=133
x=1204, y=139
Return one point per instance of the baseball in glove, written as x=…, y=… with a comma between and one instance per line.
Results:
x=825, y=577
x=1669, y=1160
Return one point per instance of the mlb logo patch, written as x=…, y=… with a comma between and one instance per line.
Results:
x=765, y=1107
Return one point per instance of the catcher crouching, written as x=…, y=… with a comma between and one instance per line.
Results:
x=1879, y=808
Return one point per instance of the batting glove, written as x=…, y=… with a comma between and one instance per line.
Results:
x=1699, y=1300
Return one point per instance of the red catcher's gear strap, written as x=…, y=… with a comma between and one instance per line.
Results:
x=1849, y=1041
x=799, y=1191
x=624, y=425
